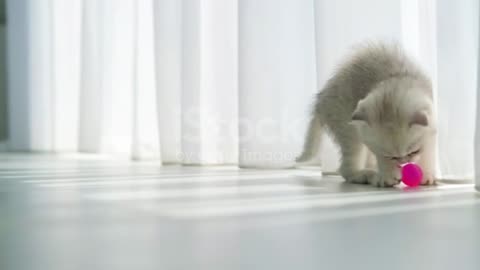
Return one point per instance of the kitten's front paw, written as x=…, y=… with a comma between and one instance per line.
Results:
x=361, y=177
x=384, y=181
x=428, y=180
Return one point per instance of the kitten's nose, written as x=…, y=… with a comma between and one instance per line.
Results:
x=403, y=160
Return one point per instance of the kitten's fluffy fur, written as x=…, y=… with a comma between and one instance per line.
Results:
x=378, y=107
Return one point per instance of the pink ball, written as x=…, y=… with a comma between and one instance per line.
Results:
x=411, y=174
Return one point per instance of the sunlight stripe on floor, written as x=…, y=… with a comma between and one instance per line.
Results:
x=193, y=192
x=247, y=207
x=132, y=180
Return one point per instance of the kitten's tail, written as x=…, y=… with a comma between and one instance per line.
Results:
x=312, y=140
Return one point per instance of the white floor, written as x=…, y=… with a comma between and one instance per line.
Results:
x=90, y=213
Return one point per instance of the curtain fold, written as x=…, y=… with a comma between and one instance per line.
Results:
x=108, y=76
x=457, y=52
x=277, y=80
x=30, y=75
x=168, y=69
x=219, y=82
x=477, y=123
x=209, y=82
x=145, y=137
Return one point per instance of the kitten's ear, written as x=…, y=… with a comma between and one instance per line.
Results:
x=419, y=118
x=359, y=115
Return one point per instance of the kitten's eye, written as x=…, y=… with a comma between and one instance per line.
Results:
x=394, y=158
x=414, y=153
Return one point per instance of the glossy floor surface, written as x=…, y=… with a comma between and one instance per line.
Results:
x=89, y=213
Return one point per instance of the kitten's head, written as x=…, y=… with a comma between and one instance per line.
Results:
x=395, y=119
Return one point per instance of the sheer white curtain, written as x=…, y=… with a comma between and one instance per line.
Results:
x=477, y=127
x=219, y=81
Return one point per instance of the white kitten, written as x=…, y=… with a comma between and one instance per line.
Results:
x=378, y=107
